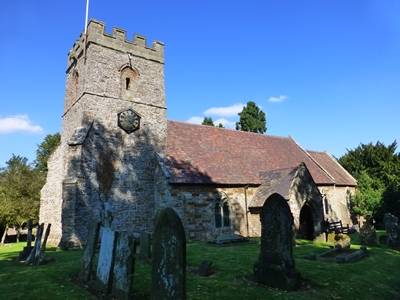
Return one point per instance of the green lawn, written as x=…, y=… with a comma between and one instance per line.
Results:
x=374, y=277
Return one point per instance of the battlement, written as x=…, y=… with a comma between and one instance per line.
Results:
x=117, y=40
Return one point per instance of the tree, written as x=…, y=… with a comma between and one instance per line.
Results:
x=368, y=199
x=45, y=149
x=208, y=121
x=220, y=125
x=20, y=186
x=252, y=119
x=382, y=165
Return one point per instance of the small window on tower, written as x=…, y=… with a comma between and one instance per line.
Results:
x=76, y=77
x=127, y=83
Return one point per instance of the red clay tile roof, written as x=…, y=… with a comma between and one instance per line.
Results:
x=341, y=176
x=199, y=154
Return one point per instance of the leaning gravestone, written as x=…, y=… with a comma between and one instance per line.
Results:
x=204, y=268
x=36, y=248
x=106, y=260
x=276, y=266
x=169, y=257
x=124, y=265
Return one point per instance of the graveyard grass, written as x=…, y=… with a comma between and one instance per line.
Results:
x=374, y=277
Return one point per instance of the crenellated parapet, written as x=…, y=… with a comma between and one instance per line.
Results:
x=117, y=41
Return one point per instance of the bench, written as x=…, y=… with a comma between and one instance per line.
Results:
x=337, y=227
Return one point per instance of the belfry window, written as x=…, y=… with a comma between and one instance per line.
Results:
x=221, y=211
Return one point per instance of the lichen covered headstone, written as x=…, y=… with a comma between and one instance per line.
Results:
x=343, y=240
x=276, y=266
x=392, y=226
x=368, y=235
x=124, y=265
x=169, y=257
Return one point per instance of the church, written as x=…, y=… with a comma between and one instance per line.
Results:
x=120, y=159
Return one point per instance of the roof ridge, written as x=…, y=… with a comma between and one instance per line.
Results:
x=279, y=169
x=308, y=154
x=237, y=131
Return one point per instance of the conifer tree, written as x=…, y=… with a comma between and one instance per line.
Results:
x=252, y=119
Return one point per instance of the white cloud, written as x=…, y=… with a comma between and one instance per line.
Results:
x=226, y=123
x=195, y=120
x=19, y=123
x=229, y=111
x=279, y=99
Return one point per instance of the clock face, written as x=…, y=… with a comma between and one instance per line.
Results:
x=129, y=120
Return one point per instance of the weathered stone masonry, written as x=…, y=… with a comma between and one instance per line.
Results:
x=99, y=170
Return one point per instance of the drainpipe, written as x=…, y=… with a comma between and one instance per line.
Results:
x=247, y=211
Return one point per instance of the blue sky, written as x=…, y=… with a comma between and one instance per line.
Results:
x=326, y=73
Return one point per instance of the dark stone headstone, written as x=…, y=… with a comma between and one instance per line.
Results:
x=145, y=244
x=276, y=266
x=26, y=251
x=106, y=260
x=204, y=268
x=383, y=239
x=392, y=226
x=124, y=265
x=89, y=251
x=169, y=257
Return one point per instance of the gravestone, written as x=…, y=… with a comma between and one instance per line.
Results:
x=89, y=251
x=34, y=255
x=145, y=244
x=106, y=260
x=169, y=257
x=392, y=226
x=28, y=248
x=276, y=266
x=368, y=235
x=124, y=265
x=204, y=268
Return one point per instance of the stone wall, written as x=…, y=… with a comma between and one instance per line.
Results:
x=100, y=171
x=51, y=196
x=337, y=203
x=195, y=205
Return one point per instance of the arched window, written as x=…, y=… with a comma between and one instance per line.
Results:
x=129, y=82
x=222, y=211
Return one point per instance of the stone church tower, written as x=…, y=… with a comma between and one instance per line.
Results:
x=113, y=127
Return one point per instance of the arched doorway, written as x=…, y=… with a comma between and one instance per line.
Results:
x=306, y=228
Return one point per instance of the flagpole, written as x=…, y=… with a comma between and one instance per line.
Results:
x=87, y=13
x=86, y=24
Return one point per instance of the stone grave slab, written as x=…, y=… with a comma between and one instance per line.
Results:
x=106, y=260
